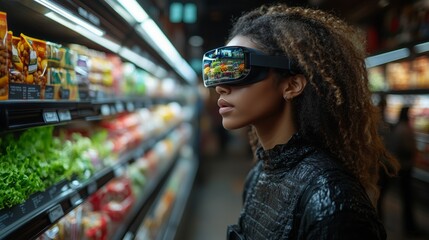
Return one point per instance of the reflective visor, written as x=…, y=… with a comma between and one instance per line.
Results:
x=235, y=65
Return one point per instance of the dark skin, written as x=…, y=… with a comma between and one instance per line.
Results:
x=265, y=105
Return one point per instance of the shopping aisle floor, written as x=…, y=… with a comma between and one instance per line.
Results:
x=215, y=201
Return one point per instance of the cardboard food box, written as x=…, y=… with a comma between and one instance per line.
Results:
x=68, y=58
x=63, y=83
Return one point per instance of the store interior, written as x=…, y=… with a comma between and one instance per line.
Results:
x=107, y=133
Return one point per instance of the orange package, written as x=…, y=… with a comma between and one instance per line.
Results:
x=28, y=72
x=4, y=57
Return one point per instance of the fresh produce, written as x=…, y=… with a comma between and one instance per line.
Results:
x=36, y=160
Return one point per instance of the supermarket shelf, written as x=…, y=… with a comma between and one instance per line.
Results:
x=119, y=34
x=167, y=227
x=136, y=215
x=38, y=213
x=404, y=92
x=23, y=114
x=170, y=228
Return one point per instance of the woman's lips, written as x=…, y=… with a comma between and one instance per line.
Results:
x=224, y=106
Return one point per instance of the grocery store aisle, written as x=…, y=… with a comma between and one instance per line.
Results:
x=392, y=212
x=215, y=201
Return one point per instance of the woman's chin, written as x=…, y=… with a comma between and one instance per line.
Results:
x=228, y=125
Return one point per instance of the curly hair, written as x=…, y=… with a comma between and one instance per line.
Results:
x=335, y=110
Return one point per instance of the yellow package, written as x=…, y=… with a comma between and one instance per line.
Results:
x=17, y=71
x=62, y=84
x=4, y=57
x=68, y=58
x=35, y=60
x=53, y=54
x=26, y=75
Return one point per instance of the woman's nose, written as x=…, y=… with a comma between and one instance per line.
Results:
x=222, y=89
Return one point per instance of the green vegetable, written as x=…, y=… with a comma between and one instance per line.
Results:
x=36, y=160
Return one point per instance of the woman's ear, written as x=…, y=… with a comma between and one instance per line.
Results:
x=293, y=86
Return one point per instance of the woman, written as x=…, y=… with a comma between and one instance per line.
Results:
x=297, y=77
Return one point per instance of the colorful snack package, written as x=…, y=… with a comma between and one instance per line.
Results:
x=4, y=57
x=29, y=65
x=63, y=83
x=81, y=68
x=70, y=83
x=53, y=54
x=18, y=89
x=53, y=87
x=37, y=62
x=68, y=58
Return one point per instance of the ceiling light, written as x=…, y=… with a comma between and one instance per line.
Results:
x=387, y=57
x=66, y=14
x=134, y=9
x=142, y=62
x=152, y=34
x=121, y=11
x=157, y=39
x=112, y=46
x=422, y=47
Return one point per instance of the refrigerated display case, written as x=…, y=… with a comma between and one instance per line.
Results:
x=403, y=81
x=141, y=99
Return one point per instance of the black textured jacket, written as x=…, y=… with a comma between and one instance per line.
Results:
x=296, y=191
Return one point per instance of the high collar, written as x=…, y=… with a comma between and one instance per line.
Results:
x=285, y=156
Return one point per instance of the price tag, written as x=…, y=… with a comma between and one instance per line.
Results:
x=105, y=110
x=112, y=110
x=64, y=115
x=50, y=116
x=119, y=171
x=75, y=199
x=92, y=187
x=119, y=107
x=56, y=213
x=130, y=107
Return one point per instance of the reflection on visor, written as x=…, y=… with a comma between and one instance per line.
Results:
x=235, y=65
x=224, y=64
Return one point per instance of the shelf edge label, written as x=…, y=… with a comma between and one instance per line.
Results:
x=56, y=213
x=50, y=116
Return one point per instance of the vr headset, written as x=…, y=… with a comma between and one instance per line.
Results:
x=235, y=65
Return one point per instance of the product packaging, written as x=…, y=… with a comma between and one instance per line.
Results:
x=28, y=73
x=118, y=198
x=100, y=75
x=4, y=57
x=63, y=82
x=81, y=68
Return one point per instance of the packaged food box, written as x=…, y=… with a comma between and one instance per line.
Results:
x=68, y=58
x=63, y=84
x=16, y=71
x=53, y=54
x=4, y=57
x=117, y=74
x=29, y=64
x=70, y=83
